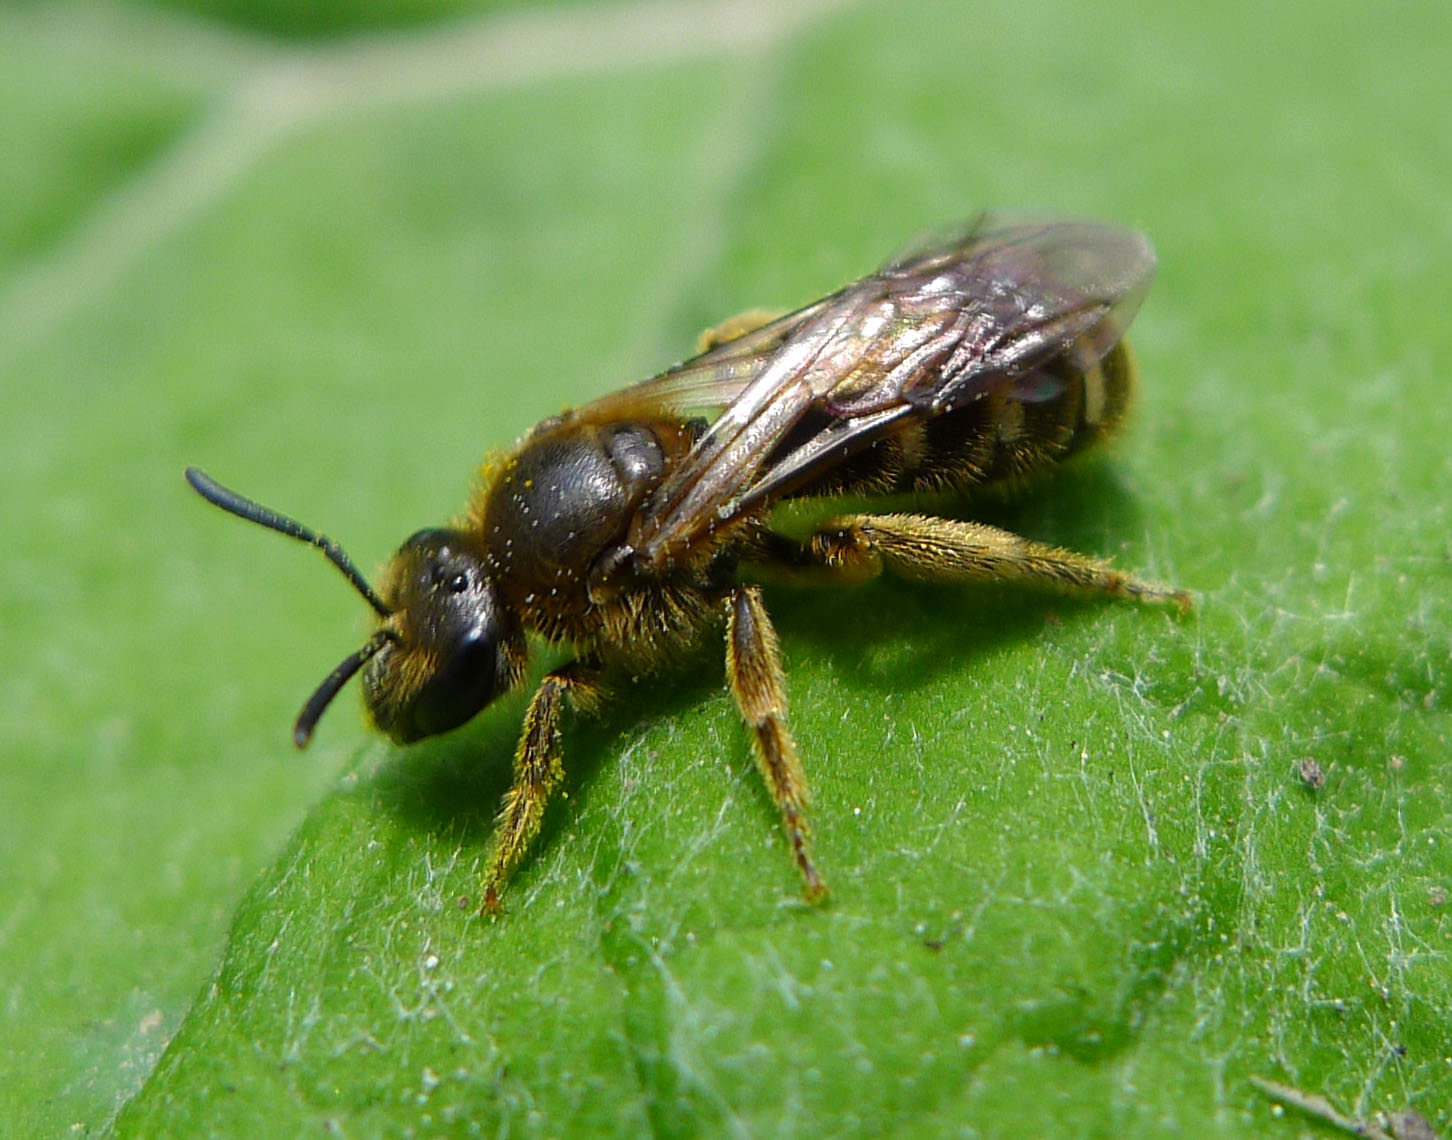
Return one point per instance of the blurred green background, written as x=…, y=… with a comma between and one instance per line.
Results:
x=335, y=253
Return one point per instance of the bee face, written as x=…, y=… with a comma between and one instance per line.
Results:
x=452, y=645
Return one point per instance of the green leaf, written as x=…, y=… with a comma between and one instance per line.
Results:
x=1080, y=885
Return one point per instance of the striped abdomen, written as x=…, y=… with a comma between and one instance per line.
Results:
x=1029, y=426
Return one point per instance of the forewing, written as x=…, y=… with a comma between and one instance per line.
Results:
x=707, y=384
x=982, y=309
x=769, y=393
x=934, y=329
x=1019, y=293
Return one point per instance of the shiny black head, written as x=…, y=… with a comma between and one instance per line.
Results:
x=454, y=646
x=445, y=646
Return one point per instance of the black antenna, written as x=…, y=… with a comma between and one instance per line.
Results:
x=244, y=508
x=317, y=704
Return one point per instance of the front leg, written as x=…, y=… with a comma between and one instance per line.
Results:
x=537, y=770
x=753, y=669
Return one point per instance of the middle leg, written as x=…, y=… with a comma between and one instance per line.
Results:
x=753, y=669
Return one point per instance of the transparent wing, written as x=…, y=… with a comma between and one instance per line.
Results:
x=707, y=384
x=954, y=318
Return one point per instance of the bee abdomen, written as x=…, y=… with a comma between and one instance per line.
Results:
x=1040, y=420
x=1022, y=430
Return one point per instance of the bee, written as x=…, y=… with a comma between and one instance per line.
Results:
x=630, y=527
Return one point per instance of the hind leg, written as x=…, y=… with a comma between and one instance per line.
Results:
x=930, y=549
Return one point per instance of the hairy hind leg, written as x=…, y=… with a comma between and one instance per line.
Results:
x=930, y=549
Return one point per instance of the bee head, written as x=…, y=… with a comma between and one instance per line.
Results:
x=449, y=645
x=445, y=645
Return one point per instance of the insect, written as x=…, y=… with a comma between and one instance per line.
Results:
x=629, y=527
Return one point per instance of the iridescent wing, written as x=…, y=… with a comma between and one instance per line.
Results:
x=947, y=322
